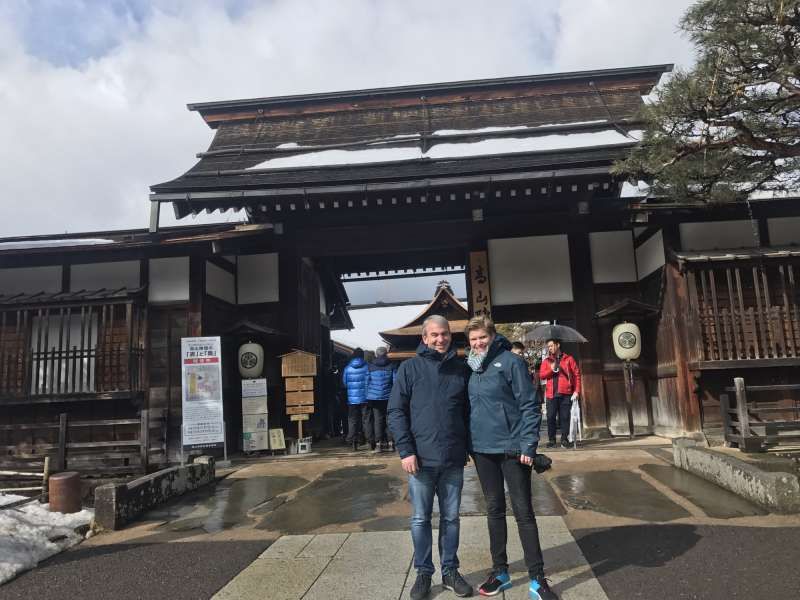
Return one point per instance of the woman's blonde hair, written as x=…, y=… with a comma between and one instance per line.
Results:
x=477, y=323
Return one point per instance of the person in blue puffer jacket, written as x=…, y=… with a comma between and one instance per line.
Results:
x=355, y=377
x=379, y=385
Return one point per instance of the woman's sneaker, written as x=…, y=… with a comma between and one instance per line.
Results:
x=496, y=583
x=540, y=589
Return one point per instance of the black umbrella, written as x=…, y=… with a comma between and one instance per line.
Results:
x=547, y=331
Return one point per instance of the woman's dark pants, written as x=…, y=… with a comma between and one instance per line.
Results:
x=493, y=469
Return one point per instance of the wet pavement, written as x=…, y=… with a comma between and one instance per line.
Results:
x=645, y=528
x=339, y=497
x=715, y=502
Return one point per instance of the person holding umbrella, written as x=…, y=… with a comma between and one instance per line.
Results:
x=563, y=387
x=504, y=431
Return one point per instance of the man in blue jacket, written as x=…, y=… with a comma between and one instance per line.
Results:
x=379, y=386
x=429, y=418
x=355, y=378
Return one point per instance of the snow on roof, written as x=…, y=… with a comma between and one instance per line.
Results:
x=640, y=190
x=511, y=128
x=25, y=244
x=367, y=322
x=452, y=150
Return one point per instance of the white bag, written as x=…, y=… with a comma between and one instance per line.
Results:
x=575, y=422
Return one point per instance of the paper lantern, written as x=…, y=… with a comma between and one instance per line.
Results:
x=627, y=341
x=251, y=360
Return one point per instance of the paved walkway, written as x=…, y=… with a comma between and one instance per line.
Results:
x=377, y=566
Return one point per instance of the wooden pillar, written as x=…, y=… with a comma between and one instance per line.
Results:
x=595, y=410
x=197, y=290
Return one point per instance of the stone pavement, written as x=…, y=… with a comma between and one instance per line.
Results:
x=377, y=566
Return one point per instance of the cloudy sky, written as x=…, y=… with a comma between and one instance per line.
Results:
x=93, y=92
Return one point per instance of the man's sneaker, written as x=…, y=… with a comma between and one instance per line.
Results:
x=566, y=444
x=540, y=589
x=551, y=444
x=454, y=582
x=422, y=587
x=496, y=583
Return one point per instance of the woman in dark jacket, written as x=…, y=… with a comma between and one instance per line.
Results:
x=504, y=430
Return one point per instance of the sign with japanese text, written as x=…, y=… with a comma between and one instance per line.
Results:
x=201, y=379
x=481, y=293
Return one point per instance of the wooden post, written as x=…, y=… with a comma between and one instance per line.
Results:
x=628, y=371
x=62, y=442
x=741, y=407
x=45, y=477
x=144, y=438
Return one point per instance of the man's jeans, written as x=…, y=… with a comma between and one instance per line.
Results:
x=446, y=483
x=558, y=406
x=359, y=418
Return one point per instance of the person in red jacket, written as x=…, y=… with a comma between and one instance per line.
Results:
x=563, y=386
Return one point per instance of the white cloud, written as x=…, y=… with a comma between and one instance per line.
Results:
x=81, y=144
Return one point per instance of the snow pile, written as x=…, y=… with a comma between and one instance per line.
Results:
x=452, y=150
x=31, y=533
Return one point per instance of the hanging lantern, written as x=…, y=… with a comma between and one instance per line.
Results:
x=627, y=341
x=251, y=360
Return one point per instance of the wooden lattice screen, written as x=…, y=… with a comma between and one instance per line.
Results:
x=749, y=311
x=69, y=349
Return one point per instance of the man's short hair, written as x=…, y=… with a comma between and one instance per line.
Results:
x=478, y=323
x=438, y=319
x=518, y=346
x=380, y=351
x=554, y=340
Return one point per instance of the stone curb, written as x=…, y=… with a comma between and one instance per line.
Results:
x=116, y=505
x=777, y=492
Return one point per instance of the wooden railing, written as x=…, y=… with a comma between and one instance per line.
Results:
x=117, y=446
x=746, y=312
x=755, y=426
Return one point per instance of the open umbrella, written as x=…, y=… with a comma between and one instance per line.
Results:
x=548, y=331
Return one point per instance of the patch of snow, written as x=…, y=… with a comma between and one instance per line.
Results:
x=640, y=190
x=22, y=245
x=511, y=127
x=288, y=145
x=26, y=533
x=451, y=150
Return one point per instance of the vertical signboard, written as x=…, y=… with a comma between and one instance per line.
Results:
x=254, y=415
x=481, y=294
x=201, y=378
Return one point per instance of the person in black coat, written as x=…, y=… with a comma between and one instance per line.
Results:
x=428, y=418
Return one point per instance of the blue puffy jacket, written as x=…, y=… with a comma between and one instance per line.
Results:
x=381, y=377
x=504, y=408
x=355, y=378
x=428, y=409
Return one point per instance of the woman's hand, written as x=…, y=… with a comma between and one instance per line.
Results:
x=526, y=460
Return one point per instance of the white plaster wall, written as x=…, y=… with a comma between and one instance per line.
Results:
x=530, y=269
x=258, y=278
x=220, y=283
x=784, y=231
x=612, y=256
x=169, y=279
x=30, y=280
x=108, y=275
x=717, y=235
x=650, y=255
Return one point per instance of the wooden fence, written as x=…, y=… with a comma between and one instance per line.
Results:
x=756, y=425
x=128, y=446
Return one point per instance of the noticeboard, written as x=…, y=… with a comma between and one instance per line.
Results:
x=201, y=384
